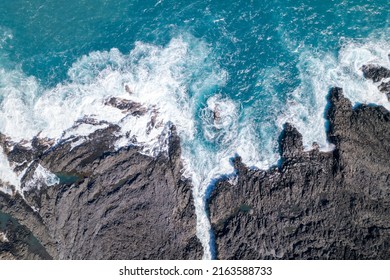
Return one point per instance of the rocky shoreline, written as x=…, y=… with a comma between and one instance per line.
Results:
x=108, y=205
x=315, y=205
x=122, y=204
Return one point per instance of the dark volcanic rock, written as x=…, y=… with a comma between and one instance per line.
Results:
x=28, y=237
x=20, y=155
x=109, y=205
x=19, y=242
x=377, y=74
x=128, y=106
x=316, y=205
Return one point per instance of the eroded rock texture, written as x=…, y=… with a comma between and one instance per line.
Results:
x=315, y=205
x=380, y=75
x=108, y=205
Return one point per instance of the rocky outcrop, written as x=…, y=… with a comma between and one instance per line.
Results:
x=134, y=108
x=109, y=204
x=378, y=74
x=314, y=205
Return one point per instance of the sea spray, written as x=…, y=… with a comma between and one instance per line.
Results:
x=168, y=82
x=228, y=88
x=177, y=84
x=319, y=72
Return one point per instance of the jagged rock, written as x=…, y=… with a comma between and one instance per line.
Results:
x=316, y=205
x=291, y=142
x=378, y=74
x=20, y=154
x=375, y=72
x=127, y=106
x=109, y=204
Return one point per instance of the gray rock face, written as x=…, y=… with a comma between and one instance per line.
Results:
x=131, y=107
x=378, y=74
x=17, y=241
x=315, y=205
x=375, y=72
x=108, y=205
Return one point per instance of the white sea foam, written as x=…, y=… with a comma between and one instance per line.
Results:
x=5, y=36
x=41, y=177
x=158, y=78
x=3, y=237
x=219, y=119
x=176, y=85
x=319, y=72
x=168, y=81
x=7, y=176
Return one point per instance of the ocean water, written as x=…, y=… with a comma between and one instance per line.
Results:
x=227, y=74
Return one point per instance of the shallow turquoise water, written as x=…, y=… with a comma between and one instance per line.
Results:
x=258, y=63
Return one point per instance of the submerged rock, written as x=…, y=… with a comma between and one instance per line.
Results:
x=316, y=205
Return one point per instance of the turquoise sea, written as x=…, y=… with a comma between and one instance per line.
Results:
x=227, y=74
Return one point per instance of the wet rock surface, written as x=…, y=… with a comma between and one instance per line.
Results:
x=315, y=205
x=108, y=205
x=17, y=241
x=378, y=74
x=127, y=106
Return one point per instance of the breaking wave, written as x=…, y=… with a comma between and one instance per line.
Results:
x=179, y=84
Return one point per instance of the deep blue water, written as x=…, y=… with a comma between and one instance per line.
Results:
x=264, y=62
